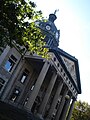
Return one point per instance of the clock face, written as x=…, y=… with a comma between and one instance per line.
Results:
x=48, y=27
x=56, y=35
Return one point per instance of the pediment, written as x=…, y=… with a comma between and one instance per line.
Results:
x=70, y=65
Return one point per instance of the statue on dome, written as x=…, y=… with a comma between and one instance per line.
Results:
x=56, y=11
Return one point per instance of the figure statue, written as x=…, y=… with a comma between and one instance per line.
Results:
x=56, y=11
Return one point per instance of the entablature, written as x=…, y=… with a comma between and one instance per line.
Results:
x=60, y=70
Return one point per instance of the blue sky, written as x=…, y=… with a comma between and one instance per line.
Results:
x=73, y=20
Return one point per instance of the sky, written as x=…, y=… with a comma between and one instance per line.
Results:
x=73, y=20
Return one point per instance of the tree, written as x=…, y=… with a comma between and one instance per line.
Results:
x=17, y=24
x=81, y=111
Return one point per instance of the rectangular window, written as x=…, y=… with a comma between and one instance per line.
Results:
x=24, y=76
x=26, y=100
x=15, y=95
x=10, y=63
x=1, y=83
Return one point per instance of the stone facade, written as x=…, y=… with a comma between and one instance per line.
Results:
x=44, y=88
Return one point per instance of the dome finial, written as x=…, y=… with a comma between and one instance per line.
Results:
x=56, y=11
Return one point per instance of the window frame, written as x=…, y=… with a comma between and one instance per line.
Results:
x=1, y=83
x=10, y=63
x=14, y=96
x=21, y=78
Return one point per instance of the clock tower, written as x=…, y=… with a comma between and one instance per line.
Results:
x=50, y=30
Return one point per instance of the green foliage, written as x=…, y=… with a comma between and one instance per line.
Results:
x=18, y=23
x=81, y=111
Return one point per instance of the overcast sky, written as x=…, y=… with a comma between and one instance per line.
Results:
x=73, y=20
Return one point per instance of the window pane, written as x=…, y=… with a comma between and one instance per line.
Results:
x=15, y=95
x=9, y=65
x=24, y=76
x=1, y=83
x=26, y=101
x=17, y=92
x=13, y=58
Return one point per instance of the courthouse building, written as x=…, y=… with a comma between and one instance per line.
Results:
x=32, y=87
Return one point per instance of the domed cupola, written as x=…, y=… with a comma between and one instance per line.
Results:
x=52, y=17
x=50, y=30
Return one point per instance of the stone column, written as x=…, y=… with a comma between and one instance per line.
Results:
x=53, y=105
x=48, y=93
x=38, y=84
x=65, y=109
x=61, y=104
x=70, y=110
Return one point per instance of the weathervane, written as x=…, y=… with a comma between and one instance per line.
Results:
x=56, y=11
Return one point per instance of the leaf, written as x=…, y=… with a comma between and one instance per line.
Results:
x=18, y=24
